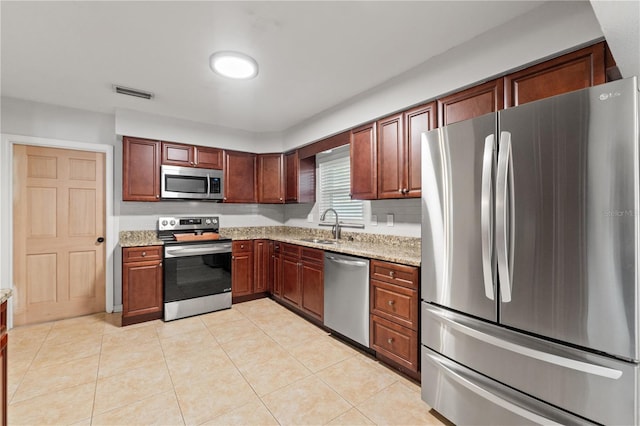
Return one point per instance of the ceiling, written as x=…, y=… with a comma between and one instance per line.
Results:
x=312, y=55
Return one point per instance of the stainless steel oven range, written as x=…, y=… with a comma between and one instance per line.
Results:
x=197, y=266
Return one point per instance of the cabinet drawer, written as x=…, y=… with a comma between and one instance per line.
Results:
x=395, y=342
x=291, y=250
x=137, y=254
x=395, y=303
x=312, y=255
x=242, y=246
x=402, y=275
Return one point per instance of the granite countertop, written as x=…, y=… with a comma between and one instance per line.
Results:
x=139, y=239
x=5, y=293
x=403, y=250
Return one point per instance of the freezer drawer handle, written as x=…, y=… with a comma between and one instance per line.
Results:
x=458, y=376
x=573, y=364
x=503, y=214
x=486, y=214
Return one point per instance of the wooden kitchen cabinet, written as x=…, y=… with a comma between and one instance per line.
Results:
x=470, y=103
x=239, y=177
x=140, y=169
x=178, y=154
x=303, y=279
x=141, y=284
x=364, y=163
x=399, y=151
x=573, y=71
x=300, y=178
x=312, y=282
x=4, y=342
x=242, y=268
x=275, y=272
x=394, y=304
x=291, y=274
x=271, y=182
x=261, y=266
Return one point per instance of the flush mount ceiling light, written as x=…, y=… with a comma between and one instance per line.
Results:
x=233, y=65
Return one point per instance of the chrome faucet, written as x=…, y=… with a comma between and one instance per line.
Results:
x=335, y=229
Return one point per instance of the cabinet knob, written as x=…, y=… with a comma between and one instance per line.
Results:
x=392, y=274
x=157, y=195
x=391, y=302
x=160, y=264
x=233, y=258
x=390, y=340
x=280, y=198
x=144, y=253
x=241, y=246
x=192, y=163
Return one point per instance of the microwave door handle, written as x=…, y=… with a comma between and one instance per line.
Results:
x=208, y=184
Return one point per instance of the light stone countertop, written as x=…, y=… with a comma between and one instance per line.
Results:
x=5, y=293
x=403, y=250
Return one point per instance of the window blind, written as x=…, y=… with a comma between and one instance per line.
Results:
x=335, y=185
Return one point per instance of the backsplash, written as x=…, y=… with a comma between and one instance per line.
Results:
x=406, y=217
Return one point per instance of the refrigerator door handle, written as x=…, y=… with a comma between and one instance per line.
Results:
x=459, y=376
x=486, y=215
x=502, y=216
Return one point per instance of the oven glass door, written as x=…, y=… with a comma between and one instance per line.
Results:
x=189, y=274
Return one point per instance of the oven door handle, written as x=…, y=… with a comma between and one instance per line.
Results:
x=182, y=251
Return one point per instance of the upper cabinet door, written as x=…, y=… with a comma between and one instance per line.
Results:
x=270, y=178
x=573, y=71
x=416, y=121
x=471, y=103
x=177, y=154
x=364, y=178
x=140, y=169
x=291, y=169
x=239, y=177
x=208, y=158
x=391, y=176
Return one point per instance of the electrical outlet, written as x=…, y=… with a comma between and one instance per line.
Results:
x=374, y=220
x=310, y=218
x=390, y=220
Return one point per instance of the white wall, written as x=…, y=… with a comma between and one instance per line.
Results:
x=134, y=123
x=620, y=22
x=552, y=28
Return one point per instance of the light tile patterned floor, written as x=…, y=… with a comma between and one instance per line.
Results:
x=254, y=364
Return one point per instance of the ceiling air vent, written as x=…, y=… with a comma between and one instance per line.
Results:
x=132, y=92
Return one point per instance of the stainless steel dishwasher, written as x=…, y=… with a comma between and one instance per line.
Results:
x=346, y=296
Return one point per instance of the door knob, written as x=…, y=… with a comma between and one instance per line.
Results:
x=100, y=239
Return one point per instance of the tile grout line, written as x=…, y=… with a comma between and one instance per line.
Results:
x=95, y=389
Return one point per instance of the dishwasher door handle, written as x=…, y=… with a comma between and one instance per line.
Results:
x=347, y=262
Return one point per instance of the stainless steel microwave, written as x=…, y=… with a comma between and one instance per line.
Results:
x=191, y=183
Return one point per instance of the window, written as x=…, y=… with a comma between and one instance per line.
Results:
x=335, y=185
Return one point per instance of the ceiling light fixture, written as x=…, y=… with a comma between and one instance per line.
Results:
x=233, y=65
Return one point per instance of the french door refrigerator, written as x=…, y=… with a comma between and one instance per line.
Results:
x=530, y=242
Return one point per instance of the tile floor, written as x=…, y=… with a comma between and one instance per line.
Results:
x=254, y=364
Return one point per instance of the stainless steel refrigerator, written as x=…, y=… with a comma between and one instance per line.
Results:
x=530, y=243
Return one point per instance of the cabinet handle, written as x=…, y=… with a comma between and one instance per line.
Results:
x=192, y=163
x=241, y=246
x=144, y=253
x=160, y=264
x=157, y=195
x=392, y=274
x=391, y=302
x=233, y=258
x=390, y=340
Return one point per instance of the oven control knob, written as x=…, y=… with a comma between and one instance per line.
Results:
x=207, y=222
x=164, y=223
x=173, y=222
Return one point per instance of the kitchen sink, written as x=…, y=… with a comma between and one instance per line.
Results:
x=318, y=241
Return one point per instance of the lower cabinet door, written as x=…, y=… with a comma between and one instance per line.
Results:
x=313, y=289
x=3, y=379
x=141, y=290
x=291, y=280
